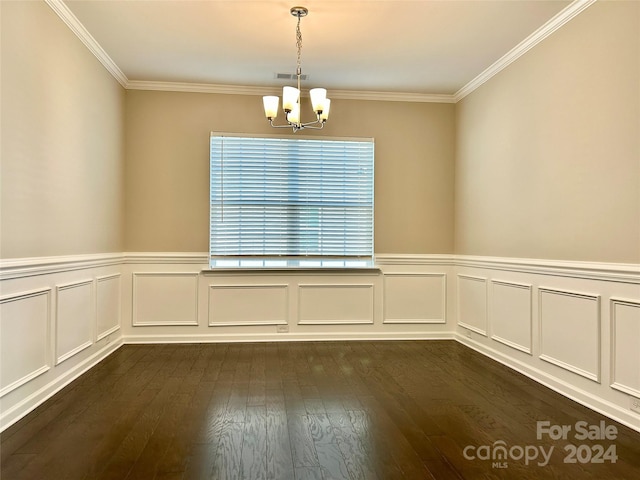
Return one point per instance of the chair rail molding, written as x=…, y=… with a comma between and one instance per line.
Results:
x=25, y=267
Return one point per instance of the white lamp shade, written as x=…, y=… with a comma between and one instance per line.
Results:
x=318, y=98
x=290, y=96
x=294, y=115
x=325, y=110
x=271, y=106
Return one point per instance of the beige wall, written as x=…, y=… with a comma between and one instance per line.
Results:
x=62, y=140
x=167, y=171
x=548, y=155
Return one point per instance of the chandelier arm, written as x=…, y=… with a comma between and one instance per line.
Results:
x=315, y=122
x=311, y=126
x=300, y=126
x=287, y=125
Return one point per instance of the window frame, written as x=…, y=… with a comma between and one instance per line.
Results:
x=288, y=260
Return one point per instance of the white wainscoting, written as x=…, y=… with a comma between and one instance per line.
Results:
x=286, y=304
x=59, y=316
x=572, y=326
x=291, y=304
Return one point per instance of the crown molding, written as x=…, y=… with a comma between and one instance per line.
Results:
x=83, y=34
x=199, y=88
x=519, y=50
x=248, y=90
x=568, y=13
x=392, y=96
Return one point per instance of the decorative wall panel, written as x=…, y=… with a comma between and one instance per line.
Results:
x=108, y=305
x=510, y=314
x=250, y=304
x=415, y=298
x=165, y=298
x=570, y=331
x=75, y=317
x=625, y=346
x=335, y=304
x=472, y=303
x=24, y=338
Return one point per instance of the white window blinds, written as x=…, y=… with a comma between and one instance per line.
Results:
x=291, y=197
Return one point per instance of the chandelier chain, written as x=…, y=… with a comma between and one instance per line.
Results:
x=299, y=45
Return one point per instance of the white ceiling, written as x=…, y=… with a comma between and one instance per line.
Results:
x=422, y=47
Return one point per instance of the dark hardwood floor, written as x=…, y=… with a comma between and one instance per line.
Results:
x=325, y=410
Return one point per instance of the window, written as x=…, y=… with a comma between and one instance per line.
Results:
x=291, y=197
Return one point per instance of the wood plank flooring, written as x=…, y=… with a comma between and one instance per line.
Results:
x=305, y=411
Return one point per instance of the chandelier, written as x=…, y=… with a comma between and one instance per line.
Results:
x=291, y=95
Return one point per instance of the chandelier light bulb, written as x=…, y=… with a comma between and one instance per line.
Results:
x=324, y=116
x=318, y=97
x=294, y=115
x=290, y=96
x=271, y=103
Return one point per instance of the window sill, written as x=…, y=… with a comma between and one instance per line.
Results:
x=275, y=265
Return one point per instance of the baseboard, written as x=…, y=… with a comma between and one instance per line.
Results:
x=30, y=403
x=565, y=389
x=280, y=337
